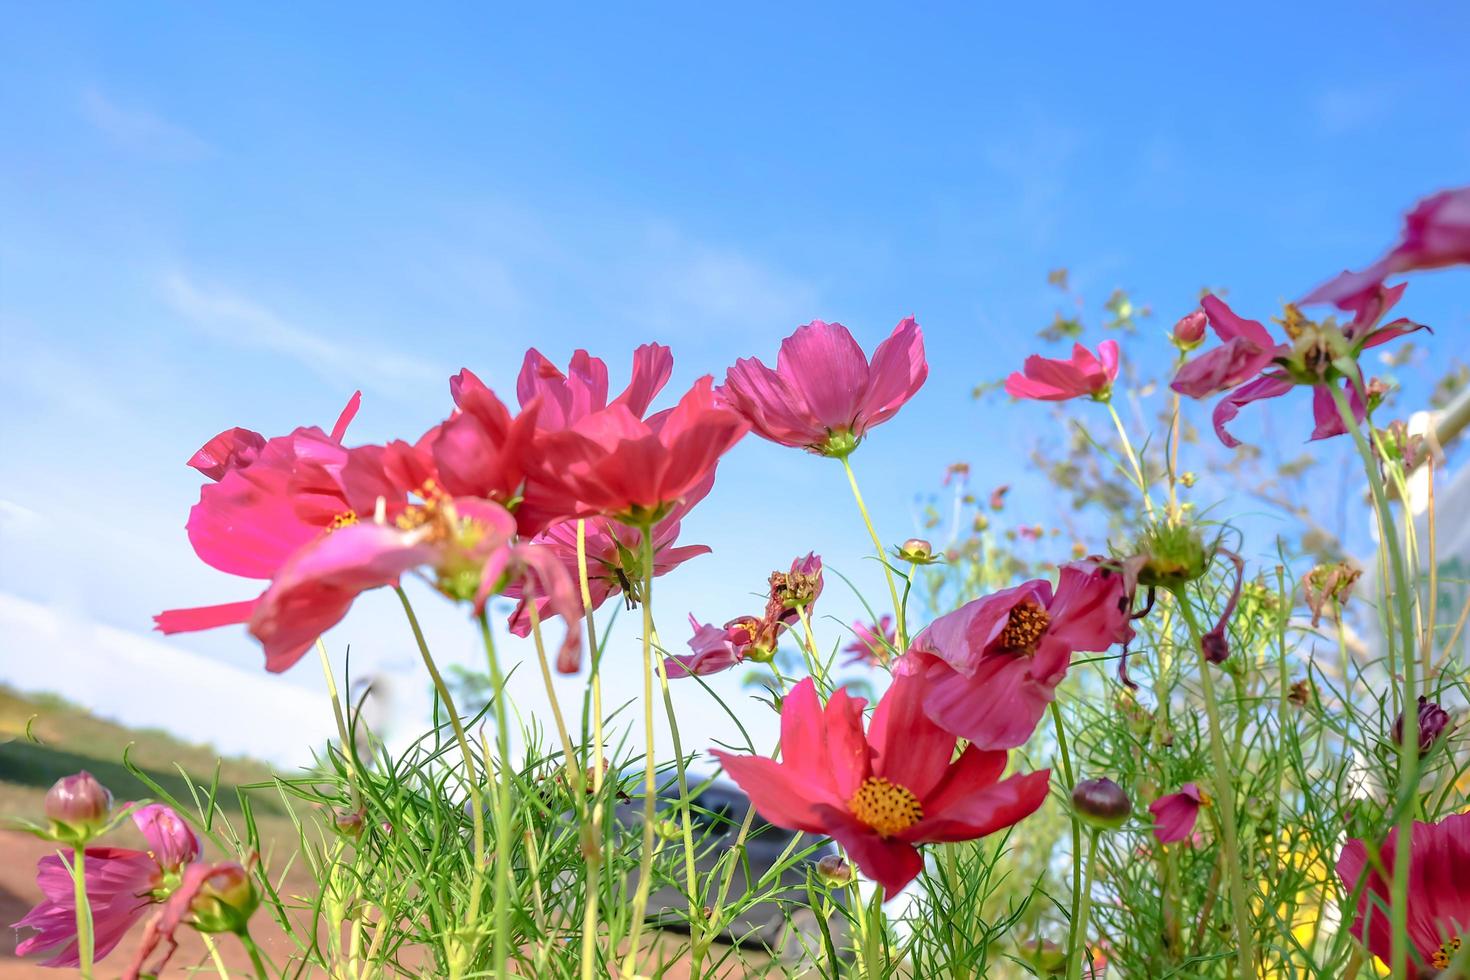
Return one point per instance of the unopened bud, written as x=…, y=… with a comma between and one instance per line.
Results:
x=1433, y=721
x=1190, y=330
x=917, y=551
x=834, y=871
x=348, y=823
x=1173, y=555
x=226, y=900
x=79, y=804
x=1101, y=803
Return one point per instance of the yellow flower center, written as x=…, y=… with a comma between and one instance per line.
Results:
x=1442, y=956
x=886, y=807
x=1025, y=626
x=345, y=519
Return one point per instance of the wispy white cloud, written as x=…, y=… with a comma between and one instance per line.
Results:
x=138, y=130
x=230, y=318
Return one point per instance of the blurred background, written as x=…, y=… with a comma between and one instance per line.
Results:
x=229, y=215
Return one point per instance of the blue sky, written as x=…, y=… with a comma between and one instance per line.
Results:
x=235, y=215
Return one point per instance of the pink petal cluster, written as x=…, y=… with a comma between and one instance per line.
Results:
x=824, y=394
x=872, y=642
x=1439, y=892
x=1053, y=380
x=122, y=884
x=990, y=668
x=882, y=792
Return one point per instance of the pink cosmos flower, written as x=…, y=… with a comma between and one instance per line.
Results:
x=567, y=398
x=1052, y=380
x=1256, y=367
x=122, y=883
x=825, y=395
x=614, y=555
x=1176, y=813
x=882, y=793
x=1436, y=234
x=208, y=896
x=714, y=648
x=872, y=642
x=618, y=465
x=483, y=451
x=1439, y=893
x=270, y=499
x=990, y=668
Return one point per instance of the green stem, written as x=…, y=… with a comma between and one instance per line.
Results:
x=1070, y=782
x=504, y=835
x=255, y=959
x=214, y=957
x=650, y=780
x=458, y=953
x=1409, y=742
x=1132, y=457
x=902, y=634
x=1077, y=951
x=85, y=941
x=592, y=850
x=1225, y=798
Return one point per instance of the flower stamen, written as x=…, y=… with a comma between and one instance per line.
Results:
x=1025, y=626
x=885, y=806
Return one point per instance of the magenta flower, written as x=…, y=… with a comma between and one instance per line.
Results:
x=990, y=668
x=1439, y=893
x=1052, y=380
x=122, y=883
x=1252, y=366
x=883, y=793
x=824, y=394
x=567, y=398
x=483, y=451
x=614, y=556
x=714, y=648
x=615, y=464
x=1436, y=234
x=1176, y=813
x=872, y=642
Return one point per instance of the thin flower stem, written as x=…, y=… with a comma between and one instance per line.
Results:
x=686, y=824
x=1225, y=798
x=1077, y=951
x=1408, y=742
x=254, y=951
x=902, y=631
x=650, y=779
x=214, y=957
x=591, y=849
x=503, y=837
x=1132, y=457
x=1066, y=758
x=85, y=941
x=332, y=694
x=459, y=954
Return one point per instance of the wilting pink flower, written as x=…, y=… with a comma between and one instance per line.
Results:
x=795, y=589
x=1176, y=813
x=614, y=555
x=212, y=897
x=1252, y=366
x=1053, y=380
x=872, y=643
x=990, y=668
x=881, y=793
x=616, y=464
x=121, y=885
x=714, y=648
x=1439, y=893
x=824, y=394
x=1436, y=234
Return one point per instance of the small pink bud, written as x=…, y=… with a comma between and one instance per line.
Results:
x=79, y=802
x=226, y=900
x=834, y=871
x=1432, y=721
x=1190, y=330
x=916, y=551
